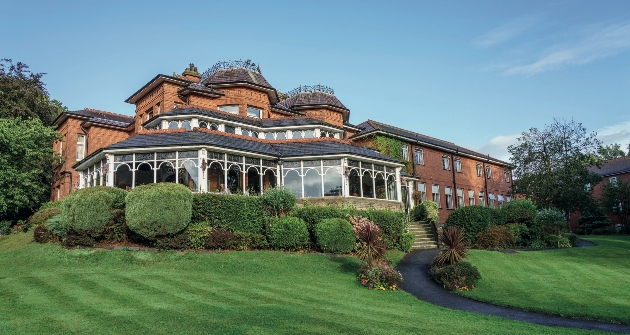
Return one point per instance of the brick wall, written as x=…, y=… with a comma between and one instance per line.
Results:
x=326, y=115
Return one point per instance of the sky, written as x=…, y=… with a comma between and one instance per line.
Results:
x=476, y=73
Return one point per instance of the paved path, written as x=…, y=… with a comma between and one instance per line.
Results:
x=414, y=268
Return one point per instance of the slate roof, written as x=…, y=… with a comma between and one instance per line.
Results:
x=370, y=126
x=196, y=87
x=613, y=167
x=273, y=122
x=237, y=75
x=280, y=149
x=100, y=117
x=312, y=98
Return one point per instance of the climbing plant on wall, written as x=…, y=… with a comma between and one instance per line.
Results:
x=391, y=147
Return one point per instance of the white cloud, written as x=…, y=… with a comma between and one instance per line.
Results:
x=616, y=133
x=601, y=43
x=497, y=147
x=505, y=32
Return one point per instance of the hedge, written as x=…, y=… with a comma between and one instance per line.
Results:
x=88, y=211
x=235, y=213
x=392, y=224
x=520, y=211
x=158, y=210
x=41, y=216
x=335, y=235
x=473, y=220
x=288, y=233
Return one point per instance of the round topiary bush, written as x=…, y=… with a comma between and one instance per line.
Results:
x=288, y=233
x=158, y=210
x=335, y=235
x=473, y=220
x=88, y=211
x=278, y=201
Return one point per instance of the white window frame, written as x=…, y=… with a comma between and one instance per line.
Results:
x=448, y=193
x=506, y=176
x=223, y=106
x=491, y=201
x=405, y=152
x=435, y=194
x=419, y=156
x=259, y=116
x=613, y=180
x=81, y=147
x=471, y=197
x=422, y=188
x=479, y=170
x=458, y=165
x=482, y=198
x=488, y=171
x=446, y=162
x=460, y=197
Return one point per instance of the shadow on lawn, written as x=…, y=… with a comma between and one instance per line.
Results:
x=346, y=264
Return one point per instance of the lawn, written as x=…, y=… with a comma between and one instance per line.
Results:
x=591, y=282
x=48, y=289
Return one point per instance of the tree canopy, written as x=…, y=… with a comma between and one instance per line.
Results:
x=23, y=95
x=26, y=163
x=615, y=200
x=552, y=165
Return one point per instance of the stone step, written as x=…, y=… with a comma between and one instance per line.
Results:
x=424, y=246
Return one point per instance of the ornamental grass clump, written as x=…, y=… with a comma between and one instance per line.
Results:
x=370, y=249
x=455, y=248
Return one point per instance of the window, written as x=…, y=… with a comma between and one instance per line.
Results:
x=203, y=124
x=230, y=129
x=422, y=188
x=186, y=125
x=176, y=105
x=281, y=135
x=150, y=114
x=309, y=134
x=482, y=198
x=60, y=148
x=420, y=156
x=244, y=132
x=297, y=134
x=491, y=202
x=448, y=191
x=436, y=194
x=501, y=200
x=80, y=147
x=488, y=172
x=613, y=180
x=269, y=136
x=446, y=162
x=506, y=176
x=508, y=198
x=458, y=165
x=254, y=112
x=405, y=153
x=460, y=197
x=471, y=198
x=214, y=127
x=173, y=125
x=233, y=109
x=587, y=187
x=479, y=170
x=159, y=108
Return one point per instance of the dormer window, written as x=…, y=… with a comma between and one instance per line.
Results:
x=254, y=112
x=309, y=133
x=232, y=109
x=173, y=125
x=186, y=125
x=214, y=127
x=281, y=135
x=202, y=124
x=230, y=129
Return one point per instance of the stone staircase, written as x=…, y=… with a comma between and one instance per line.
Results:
x=425, y=239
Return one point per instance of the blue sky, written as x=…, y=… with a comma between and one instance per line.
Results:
x=476, y=73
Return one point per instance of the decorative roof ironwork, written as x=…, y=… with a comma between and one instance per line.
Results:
x=313, y=88
x=248, y=65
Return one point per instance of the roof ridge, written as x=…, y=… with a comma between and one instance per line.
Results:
x=106, y=112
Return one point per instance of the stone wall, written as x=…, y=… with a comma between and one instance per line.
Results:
x=359, y=203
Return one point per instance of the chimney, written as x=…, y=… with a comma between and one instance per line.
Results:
x=191, y=73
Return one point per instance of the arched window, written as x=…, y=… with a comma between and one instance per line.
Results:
x=215, y=178
x=254, y=134
x=355, y=183
x=186, y=125
x=269, y=136
x=214, y=127
x=269, y=180
x=281, y=135
x=379, y=185
x=173, y=125
x=166, y=173
x=309, y=133
x=189, y=175
x=123, y=176
x=144, y=174
x=368, y=185
x=253, y=181
x=332, y=183
x=203, y=124
x=297, y=134
x=322, y=133
x=234, y=179
x=293, y=182
x=244, y=132
x=313, y=184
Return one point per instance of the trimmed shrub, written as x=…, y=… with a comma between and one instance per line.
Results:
x=288, y=233
x=571, y=237
x=50, y=204
x=461, y=276
x=158, y=210
x=406, y=241
x=379, y=277
x=472, y=220
x=520, y=211
x=312, y=215
x=259, y=241
x=198, y=234
x=495, y=238
x=278, y=201
x=74, y=239
x=520, y=233
x=88, y=211
x=55, y=225
x=177, y=242
x=220, y=240
x=229, y=212
x=42, y=234
x=426, y=211
x=241, y=240
x=40, y=217
x=335, y=235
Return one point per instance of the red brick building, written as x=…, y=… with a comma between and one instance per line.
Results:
x=228, y=129
x=612, y=171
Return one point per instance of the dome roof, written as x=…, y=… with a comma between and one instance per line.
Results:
x=317, y=95
x=234, y=72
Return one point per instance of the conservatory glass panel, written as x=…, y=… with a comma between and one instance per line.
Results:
x=368, y=186
x=253, y=181
x=332, y=183
x=313, y=183
x=391, y=188
x=293, y=182
x=123, y=176
x=166, y=172
x=189, y=175
x=144, y=174
x=380, y=186
x=355, y=184
x=234, y=179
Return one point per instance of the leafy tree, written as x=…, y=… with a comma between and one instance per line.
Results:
x=615, y=200
x=552, y=165
x=23, y=95
x=610, y=151
x=26, y=165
